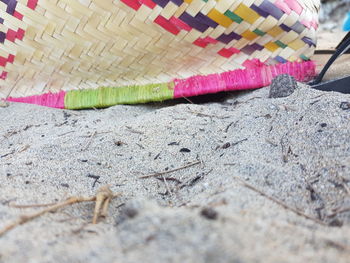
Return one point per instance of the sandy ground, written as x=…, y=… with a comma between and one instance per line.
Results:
x=294, y=149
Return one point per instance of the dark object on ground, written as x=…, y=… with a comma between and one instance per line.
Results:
x=338, y=85
x=209, y=213
x=282, y=86
x=345, y=105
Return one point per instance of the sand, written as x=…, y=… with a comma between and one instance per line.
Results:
x=294, y=149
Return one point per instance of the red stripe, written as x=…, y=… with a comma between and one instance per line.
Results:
x=11, y=35
x=203, y=42
x=200, y=42
x=32, y=4
x=20, y=33
x=3, y=61
x=148, y=3
x=10, y=58
x=228, y=52
x=17, y=15
x=167, y=25
x=180, y=24
x=3, y=75
x=134, y=4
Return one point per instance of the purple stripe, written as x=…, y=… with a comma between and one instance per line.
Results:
x=228, y=38
x=248, y=50
x=298, y=27
x=205, y=20
x=259, y=10
x=192, y=22
x=285, y=28
x=280, y=59
x=161, y=3
x=2, y=37
x=309, y=41
x=1, y=20
x=271, y=9
x=177, y=2
x=257, y=46
x=11, y=6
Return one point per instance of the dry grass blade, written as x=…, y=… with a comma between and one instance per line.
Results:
x=279, y=202
x=102, y=199
x=339, y=211
x=170, y=171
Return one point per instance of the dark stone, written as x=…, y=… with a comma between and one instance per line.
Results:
x=226, y=145
x=336, y=223
x=345, y=105
x=209, y=213
x=130, y=212
x=185, y=150
x=282, y=86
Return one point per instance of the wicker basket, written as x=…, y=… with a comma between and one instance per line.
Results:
x=60, y=45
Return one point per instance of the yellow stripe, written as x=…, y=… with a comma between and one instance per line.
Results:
x=219, y=18
x=246, y=13
x=271, y=46
x=275, y=31
x=249, y=35
x=296, y=44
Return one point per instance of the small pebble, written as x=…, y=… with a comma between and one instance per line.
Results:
x=336, y=223
x=345, y=105
x=130, y=212
x=185, y=150
x=226, y=145
x=282, y=86
x=209, y=213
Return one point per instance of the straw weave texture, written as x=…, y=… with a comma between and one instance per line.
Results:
x=49, y=45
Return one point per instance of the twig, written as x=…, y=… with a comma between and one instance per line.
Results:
x=279, y=202
x=170, y=171
x=102, y=199
x=238, y=142
x=89, y=142
x=65, y=133
x=234, y=123
x=177, y=181
x=7, y=154
x=200, y=114
x=95, y=177
x=187, y=99
x=31, y=205
x=339, y=211
x=134, y=131
x=346, y=187
x=167, y=186
x=24, y=148
x=337, y=245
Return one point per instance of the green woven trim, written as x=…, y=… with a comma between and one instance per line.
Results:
x=280, y=44
x=303, y=57
x=109, y=96
x=233, y=16
x=259, y=32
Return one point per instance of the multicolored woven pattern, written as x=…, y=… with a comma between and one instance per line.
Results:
x=50, y=46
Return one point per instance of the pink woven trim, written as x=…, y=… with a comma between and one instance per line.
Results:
x=294, y=5
x=53, y=100
x=283, y=6
x=250, y=78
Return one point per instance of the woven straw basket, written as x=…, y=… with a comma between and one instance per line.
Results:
x=96, y=53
